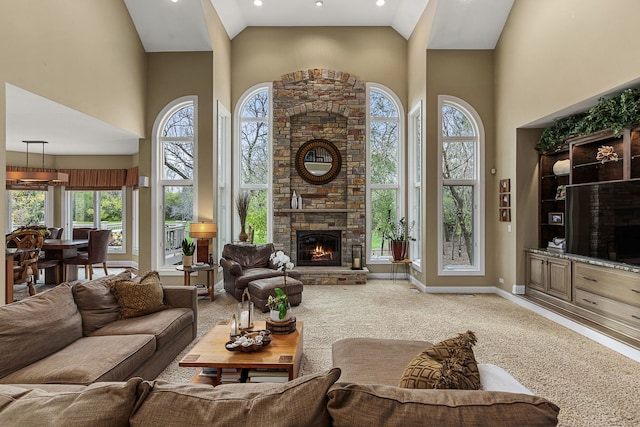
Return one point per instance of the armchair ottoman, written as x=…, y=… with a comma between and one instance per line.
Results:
x=260, y=289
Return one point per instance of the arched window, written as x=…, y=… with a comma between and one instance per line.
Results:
x=174, y=170
x=253, y=159
x=461, y=189
x=385, y=166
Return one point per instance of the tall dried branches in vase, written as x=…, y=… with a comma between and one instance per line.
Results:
x=243, y=200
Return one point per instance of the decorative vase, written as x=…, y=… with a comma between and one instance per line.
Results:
x=562, y=167
x=243, y=236
x=399, y=249
x=299, y=202
x=294, y=200
x=187, y=260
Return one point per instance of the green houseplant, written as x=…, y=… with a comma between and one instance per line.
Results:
x=188, y=248
x=278, y=304
x=399, y=234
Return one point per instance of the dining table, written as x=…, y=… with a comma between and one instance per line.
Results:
x=60, y=249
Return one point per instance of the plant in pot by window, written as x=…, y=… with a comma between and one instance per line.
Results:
x=188, y=248
x=243, y=200
x=399, y=234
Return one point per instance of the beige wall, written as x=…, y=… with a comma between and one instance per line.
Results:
x=468, y=75
x=172, y=76
x=84, y=55
x=552, y=55
x=373, y=54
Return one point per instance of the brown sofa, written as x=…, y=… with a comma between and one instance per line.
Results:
x=241, y=264
x=72, y=335
x=311, y=400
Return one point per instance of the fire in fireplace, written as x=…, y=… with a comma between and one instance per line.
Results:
x=319, y=248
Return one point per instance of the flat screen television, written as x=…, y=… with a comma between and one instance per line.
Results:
x=603, y=221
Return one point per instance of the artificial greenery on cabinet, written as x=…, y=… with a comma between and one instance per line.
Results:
x=615, y=113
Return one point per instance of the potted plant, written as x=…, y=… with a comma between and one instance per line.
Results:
x=242, y=205
x=188, y=248
x=279, y=306
x=399, y=234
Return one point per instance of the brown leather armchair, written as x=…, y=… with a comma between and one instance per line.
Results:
x=242, y=264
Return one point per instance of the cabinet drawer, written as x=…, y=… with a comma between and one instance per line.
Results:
x=607, y=282
x=614, y=309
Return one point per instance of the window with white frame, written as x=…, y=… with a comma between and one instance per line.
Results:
x=415, y=183
x=174, y=170
x=29, y=207
x=135, y=226
x=461, y=189
x=253, y=159
x=225, y=205
x=101, y=209
x=385, y=165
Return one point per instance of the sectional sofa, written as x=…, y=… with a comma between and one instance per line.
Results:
x=73, y=334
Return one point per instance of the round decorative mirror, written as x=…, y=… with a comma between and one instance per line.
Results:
x=318, y=161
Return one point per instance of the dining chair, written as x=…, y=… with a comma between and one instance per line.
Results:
x=97, y=250
x=25, y=264
x=55, y=233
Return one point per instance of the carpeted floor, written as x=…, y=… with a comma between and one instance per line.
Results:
x=592, y=384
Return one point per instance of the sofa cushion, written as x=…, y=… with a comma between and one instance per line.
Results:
x=98, y=306
x=164, y=325
x=89, y=360
x=374, y=360
x=105, y=404
x=301, y=402
x=138, y=299
x=356, y=405
x=447, y=364
x=249, y=275
x=36, y=327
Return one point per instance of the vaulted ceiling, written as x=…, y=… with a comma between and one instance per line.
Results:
x=168, y=26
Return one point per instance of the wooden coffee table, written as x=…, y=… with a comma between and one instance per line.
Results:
x=284, y=352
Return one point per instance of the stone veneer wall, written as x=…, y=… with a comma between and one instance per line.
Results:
x=311, y=104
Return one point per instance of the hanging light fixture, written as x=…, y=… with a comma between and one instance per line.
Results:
x=37, y=177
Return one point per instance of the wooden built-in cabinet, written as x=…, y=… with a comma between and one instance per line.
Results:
x=551, y=198
x=549, y=275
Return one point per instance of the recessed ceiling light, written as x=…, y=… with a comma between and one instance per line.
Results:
x=174, y=1
x=380, y=3
x=319, y=3
x=257, y=2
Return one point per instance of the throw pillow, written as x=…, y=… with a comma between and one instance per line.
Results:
x=448, y=364
x=138, y=299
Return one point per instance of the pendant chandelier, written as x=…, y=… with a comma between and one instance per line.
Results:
x=37, y=177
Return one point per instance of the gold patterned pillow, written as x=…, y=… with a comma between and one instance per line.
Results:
x=448, y=364
x=138, y=299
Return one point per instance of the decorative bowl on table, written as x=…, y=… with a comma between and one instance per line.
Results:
x=249, y=341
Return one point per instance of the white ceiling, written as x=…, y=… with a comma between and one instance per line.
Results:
x=164, y=26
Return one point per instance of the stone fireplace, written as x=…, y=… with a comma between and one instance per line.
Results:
x=319, y=104
x=319, y=248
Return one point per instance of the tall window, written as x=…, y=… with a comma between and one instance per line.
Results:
x=225, y=206
x=135, y=226
x=384, y=167
x=254, y=157
x=174, y=169
x=99, y=209
x=415, y=182
x=461, y=193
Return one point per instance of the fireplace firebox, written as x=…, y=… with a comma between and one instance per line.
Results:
x=319, y=248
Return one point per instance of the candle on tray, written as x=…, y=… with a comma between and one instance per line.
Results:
x=356, y=263
x=244, y=319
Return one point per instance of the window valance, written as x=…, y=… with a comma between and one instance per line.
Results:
x=86, y=179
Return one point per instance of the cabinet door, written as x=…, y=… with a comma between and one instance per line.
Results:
x=536, y=278
x=559, y=275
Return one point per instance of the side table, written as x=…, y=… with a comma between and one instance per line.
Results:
x=403, y=264
x=187, y=270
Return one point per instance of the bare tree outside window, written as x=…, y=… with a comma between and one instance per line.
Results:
x=459, y=175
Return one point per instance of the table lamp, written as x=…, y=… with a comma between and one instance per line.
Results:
x=204, y=232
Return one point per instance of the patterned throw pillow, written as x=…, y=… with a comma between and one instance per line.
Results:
x=448, y=364
x=138, y=299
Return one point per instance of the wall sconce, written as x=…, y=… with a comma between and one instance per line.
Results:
x=204, y=232
x=356, y=257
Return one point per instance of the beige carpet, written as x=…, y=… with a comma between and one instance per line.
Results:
x=592, y=385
